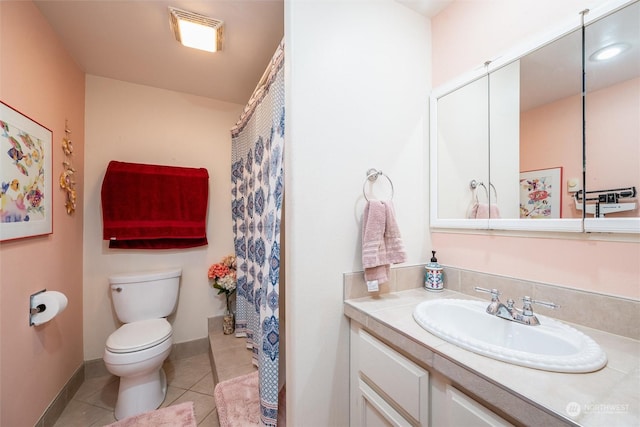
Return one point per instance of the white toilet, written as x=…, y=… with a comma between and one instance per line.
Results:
x=135, y=351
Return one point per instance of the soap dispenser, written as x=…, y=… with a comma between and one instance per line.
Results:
x=433, y=277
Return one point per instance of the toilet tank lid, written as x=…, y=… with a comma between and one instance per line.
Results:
x=145, y=276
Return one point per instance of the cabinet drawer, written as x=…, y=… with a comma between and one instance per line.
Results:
x=402, y=380
x=465, y=411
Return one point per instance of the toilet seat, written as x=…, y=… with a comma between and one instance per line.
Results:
x=138, y=336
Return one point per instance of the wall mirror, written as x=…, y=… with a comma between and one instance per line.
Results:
x=508, y=144
x=612, y=121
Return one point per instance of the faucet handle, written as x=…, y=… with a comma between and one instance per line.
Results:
x=551, y=305
x=527, y=301
x=494, y=292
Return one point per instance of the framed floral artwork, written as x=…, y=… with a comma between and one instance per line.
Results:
x=540, y=193
x=26, y=190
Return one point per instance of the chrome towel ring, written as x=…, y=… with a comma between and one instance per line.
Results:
x=475, y=184
x=372, y=176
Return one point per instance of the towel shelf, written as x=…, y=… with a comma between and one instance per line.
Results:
x=372, y=176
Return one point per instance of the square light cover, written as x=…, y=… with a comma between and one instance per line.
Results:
x=195, y=30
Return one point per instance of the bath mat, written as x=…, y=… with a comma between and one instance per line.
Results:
x=181, y=415
x=237, y=401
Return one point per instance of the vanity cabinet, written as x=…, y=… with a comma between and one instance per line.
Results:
x=388, y=389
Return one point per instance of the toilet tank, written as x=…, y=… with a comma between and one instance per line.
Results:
x=145, y=295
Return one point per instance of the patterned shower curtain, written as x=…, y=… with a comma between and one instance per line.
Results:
x=257, y=189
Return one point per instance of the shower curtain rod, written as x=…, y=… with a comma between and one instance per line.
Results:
x=270, y=68
x=263, y=79
x=274, y=65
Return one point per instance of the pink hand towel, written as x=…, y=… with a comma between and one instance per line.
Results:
x=373, y=228
x=394, y=247
x=484, y=211
x=381, y=241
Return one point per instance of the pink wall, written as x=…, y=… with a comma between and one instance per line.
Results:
x=464, y=36
x=40, y=79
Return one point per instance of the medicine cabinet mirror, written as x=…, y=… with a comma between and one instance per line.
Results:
x=509, y=140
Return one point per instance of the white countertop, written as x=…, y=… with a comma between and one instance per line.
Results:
x=608, y=397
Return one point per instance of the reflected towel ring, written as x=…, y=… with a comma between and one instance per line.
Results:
x=372, y=176
x=475, y=184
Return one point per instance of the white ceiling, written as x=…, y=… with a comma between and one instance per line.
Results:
x=427, y=8
x=131, y=40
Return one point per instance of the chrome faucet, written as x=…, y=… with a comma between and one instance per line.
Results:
x=510, y=312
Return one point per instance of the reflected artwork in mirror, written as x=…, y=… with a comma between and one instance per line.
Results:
x=530, y=113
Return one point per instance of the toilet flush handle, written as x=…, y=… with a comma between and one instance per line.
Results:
x=118, y=289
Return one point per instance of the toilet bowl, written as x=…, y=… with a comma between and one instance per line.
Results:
x=136, y=350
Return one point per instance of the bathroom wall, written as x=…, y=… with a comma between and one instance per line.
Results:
x=577, y=261
x=39, y=78
x=141, y=124
x=358, y=76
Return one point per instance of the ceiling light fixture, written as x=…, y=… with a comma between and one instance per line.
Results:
x=195, y=30
x=609, y=52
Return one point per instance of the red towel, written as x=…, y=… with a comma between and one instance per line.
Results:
x=154, y=207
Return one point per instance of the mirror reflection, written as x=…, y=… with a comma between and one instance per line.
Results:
x=612, y=134
x=550, y=131
x=463, y=149
x=509, y=145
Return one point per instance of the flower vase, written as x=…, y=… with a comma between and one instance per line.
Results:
x=228, y=323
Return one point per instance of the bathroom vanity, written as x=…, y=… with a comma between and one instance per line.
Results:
x=400, y=374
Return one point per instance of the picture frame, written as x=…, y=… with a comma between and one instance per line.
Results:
x=26, y=188
x=541, y=193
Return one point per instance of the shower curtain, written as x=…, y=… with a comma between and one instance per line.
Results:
x=257, y=190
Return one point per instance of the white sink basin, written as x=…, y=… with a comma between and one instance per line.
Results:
x=551, y=346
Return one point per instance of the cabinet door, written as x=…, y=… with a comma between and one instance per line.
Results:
x=385, y=385
x=374, y=411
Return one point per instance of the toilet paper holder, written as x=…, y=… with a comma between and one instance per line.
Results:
x=39, y=313
x=35, y=309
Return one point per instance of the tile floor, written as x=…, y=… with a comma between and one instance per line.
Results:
x=189, y=379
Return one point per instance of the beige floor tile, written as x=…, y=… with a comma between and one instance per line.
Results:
x=92, y=385
x=173, y=393
x=234, y=371
x=211, y=420
x=184, y=373
x=80, y=414
x=106, y=397
x=221, y=341
x=105, y=419
x=205, y=385
x=203, y=403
